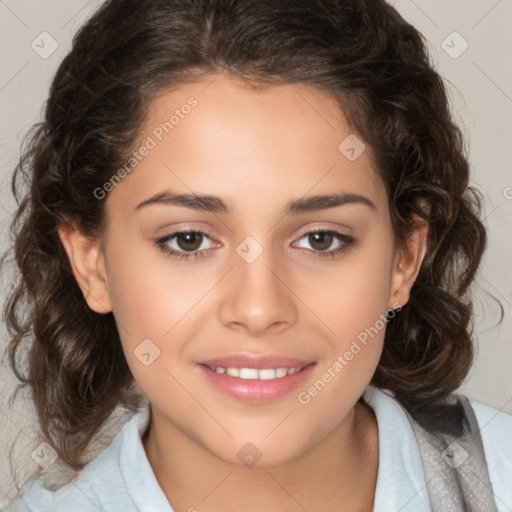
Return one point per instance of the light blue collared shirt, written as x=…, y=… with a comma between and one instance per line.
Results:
x=121, y=478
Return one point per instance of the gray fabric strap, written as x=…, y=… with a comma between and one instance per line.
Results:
x=455, y=466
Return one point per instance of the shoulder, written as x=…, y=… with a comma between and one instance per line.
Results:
x=400, y=458
x=100, y=485
x=401, y=482
x=496, y=432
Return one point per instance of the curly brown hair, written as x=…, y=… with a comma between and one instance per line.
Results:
x=362, y=53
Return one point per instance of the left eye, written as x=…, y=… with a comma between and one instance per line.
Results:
x=323, y=240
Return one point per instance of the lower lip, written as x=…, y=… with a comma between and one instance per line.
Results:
x=254, y=390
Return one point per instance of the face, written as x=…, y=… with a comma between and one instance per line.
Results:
x=256, y=268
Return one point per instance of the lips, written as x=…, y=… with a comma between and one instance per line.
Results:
x=256, y=379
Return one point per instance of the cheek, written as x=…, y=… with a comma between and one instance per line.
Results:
x=354, y=311
x=155, y=303
x=353, y=294
x=148, y=302
x=368, y=296
x=149, y=293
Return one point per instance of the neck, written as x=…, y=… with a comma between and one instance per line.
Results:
x=192, y=478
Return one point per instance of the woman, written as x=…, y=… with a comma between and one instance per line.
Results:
x=259, y=213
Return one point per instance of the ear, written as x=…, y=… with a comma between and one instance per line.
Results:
x=88, y=265
x=407, y=263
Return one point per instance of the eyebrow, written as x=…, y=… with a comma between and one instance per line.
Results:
x=215, y=204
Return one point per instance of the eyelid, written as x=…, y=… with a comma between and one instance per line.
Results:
x=344, y=229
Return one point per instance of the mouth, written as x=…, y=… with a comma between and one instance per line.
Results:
x=255, y=379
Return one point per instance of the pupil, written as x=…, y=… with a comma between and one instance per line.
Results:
x=314, y=237
x=188, y=237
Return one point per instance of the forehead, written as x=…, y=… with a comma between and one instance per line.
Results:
x=219, y=137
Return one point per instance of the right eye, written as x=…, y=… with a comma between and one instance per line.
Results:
x=183, y=245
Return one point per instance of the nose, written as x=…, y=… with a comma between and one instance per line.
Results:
x=258, y=297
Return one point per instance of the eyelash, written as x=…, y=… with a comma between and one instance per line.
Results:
x=162, y=243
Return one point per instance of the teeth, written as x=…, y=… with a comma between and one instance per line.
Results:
x=248, y=373
x=254, y=373
x=233, y=372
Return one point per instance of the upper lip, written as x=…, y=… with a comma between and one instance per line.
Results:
x=256, y=361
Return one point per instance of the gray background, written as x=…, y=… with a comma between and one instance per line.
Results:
x=479, y=80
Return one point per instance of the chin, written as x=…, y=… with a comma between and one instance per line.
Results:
x=258, y=455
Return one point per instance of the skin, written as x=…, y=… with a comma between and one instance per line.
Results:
x=256, y=150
